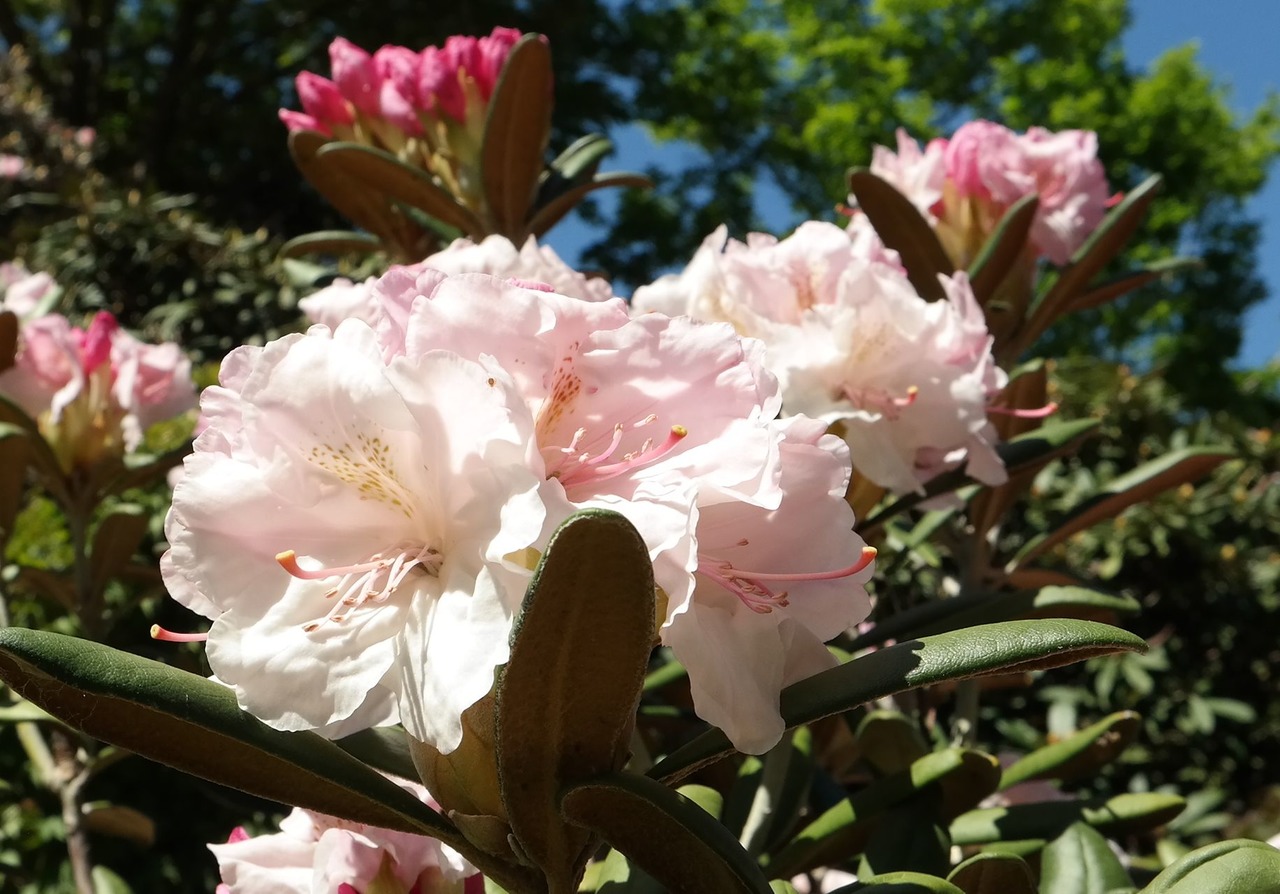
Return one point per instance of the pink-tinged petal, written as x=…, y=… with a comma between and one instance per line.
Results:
x=491, y=55
x=975, y=157
x=322, y=100
x=23, y=292
x=497, y=256
x=340, y=300
x=354, y=75
x=396, y=108
x=297, y=121
x=439, y=87
x=399, y=65
x=918, y=175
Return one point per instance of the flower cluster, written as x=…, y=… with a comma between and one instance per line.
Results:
x=93, y=391
x=852, y=343
x=23, y=293
x=966, y=183
x=495, y=255
x=365, y=504
x=399, y=87
x=316, y=852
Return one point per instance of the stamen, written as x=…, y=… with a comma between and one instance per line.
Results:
x=599, y=473
x=912, y=393
x=364, y=584
x=868, y=556
x=168, y=636
x=1032, y=413
x=751, y=586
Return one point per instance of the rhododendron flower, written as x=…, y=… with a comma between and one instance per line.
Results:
x=965, y=184
x=352, y=526
x=22, y=293
x=853, y=343
x=672, y=423
x=314, y=852
x=95, y=391
x=496, y=255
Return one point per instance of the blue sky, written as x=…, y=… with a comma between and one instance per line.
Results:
x=1238, y=42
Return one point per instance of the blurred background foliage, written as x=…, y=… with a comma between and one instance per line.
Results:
x=171, y=214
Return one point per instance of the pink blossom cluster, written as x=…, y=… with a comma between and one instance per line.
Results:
x=362, y=512
x=908, y=381
x=93, y=391
x=314, y=852
x=495, y=255
x=402, y=88
x=966, y=183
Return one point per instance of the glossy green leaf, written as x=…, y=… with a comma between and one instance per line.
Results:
x=330, y=242
x=901, y=227
x=566, y=701
x=1079, y=862
x=665, y=675
x=516, y=132
x=1026, y=452
x=1003, y=248
x=1007, y=647
x=842, y=831
x=671, y=837
x=383, y=748
x=902, y=883
x=993, y=874
x=381, y=171
x=1228, y=867
x=1121, y=814
x=705, y=797
x=786, y=773
x=549, y=214
x=890, y=741
x=1078, y=755
x=583, y=156
x=194, y=724
x=1139, y=485
x=1104, y=244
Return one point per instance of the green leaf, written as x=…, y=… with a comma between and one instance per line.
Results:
x=1003, y=248
x=120, y=822
x=993, y=874
x=194, y=725
x=383, y=748
x=1101, y=247
x=1079, y=862
x=842, y=830
x=365, y=207
x=890, y=741
x=1121, y=814
x=902, y=883
x=516, y=132
x=1124, y=284
x=1227, y=867
x=1078, y=755
x=669, y=836
x=1139, y=485
x=901, y=227
x=384, y=173
x=107, y=882
x=785, y=777
x=114, y=543
x=330, y=242
x=910, y=836
x=582, y=157
x=566, y=700
x=547, y=215
x=23, y=711
x=1008, y=647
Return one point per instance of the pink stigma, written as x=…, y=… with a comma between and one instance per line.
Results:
x=1035, y=413
x=168, y=636
x=752, y=586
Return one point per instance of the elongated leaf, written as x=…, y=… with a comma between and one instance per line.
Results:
x=516, y=132
x=669, y=836
x=902, y=883
x=1079, y=862
x=841, y=831
x=1030, y=451
x=1226, y=867
x=1121, y=814
x=1077, y=755
x=901, y=227
x=355, y=201
x=119, y=821
x=890, y=741
x=330, y=242
x=582, y=157
x=785, y=777
x=114, y=543
x=1102, y=246
x=908, y=837
x=566, y=702
x=1003, y=248
x=993, y=874
x=1143, y=483
x=546, y=216
x=1122, y=285
x=383, y=748
x=386, y=174
x=193, y=724
x=1011, y=646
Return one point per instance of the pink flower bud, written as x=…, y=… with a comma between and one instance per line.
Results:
x=396, y=108
x=95, y=342
x=296, y=121
x=972, y=151
x=399, y=65
x=492, y=53
x=354, y=74
x=321, y=100
x=438, y=87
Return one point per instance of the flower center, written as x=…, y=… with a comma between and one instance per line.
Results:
x=579, y=466
x=364, y=585
x=880, y=400
x=753, y=587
